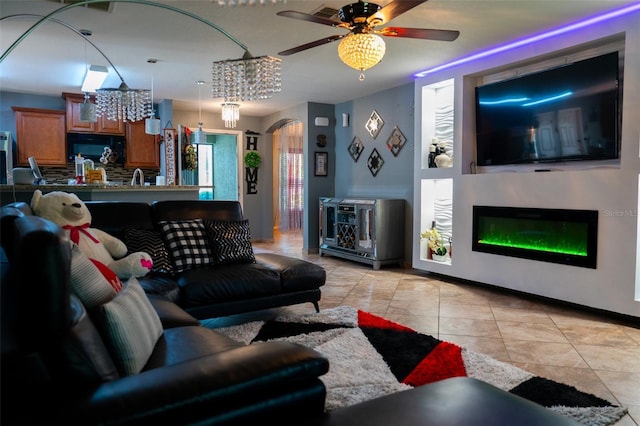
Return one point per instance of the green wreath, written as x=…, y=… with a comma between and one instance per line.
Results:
x=252, y=159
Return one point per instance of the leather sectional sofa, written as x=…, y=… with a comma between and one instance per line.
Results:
x=218, y=289
x=59, y=368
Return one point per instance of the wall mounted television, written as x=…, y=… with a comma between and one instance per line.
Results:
x=567, y=113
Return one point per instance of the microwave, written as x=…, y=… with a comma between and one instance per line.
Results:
x=93, y=146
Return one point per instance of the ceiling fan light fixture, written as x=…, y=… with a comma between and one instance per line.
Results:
x=361, y=51
x=230, y=114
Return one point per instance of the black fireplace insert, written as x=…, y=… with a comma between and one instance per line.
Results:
x=551, y=235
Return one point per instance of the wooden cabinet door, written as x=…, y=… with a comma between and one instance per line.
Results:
x=109, y=127
x=142, y=150
x=102, y=126
x=41, y=134
x=74, y=124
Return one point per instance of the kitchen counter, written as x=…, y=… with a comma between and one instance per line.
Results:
x=11, y=193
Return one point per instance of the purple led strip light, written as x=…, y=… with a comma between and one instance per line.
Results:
x=542, y=36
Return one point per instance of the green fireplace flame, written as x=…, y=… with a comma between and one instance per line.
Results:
x=540, y=235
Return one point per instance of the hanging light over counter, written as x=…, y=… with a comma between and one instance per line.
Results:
x=247, y=79
x=230, y=114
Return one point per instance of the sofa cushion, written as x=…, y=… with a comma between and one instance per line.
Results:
x=150, y=242
x=296, y=274
x=187, y=243
x=230, y=241
x=224, y=283
x=87, y=282
x=131, y=328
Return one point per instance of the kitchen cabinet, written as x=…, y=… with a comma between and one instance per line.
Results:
x=142, y=150
x=102, y=126
x=41, y=134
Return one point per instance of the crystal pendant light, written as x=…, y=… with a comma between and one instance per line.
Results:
x=247, y=79
x=199, y=136
x=361, y=51
x=124, y=103
x=230, y=114
x=88, y=110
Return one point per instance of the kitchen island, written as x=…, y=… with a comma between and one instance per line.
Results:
x=11, y=193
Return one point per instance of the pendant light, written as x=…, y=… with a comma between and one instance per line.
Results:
x=152, y=124
x=230, y=114
x=88, y=109
x=198, y=135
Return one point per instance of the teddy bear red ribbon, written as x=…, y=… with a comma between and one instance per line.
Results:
x=75, y=233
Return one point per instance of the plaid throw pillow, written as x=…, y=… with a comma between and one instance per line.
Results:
x=186, y=241
x=230, y=241
x=150, y=242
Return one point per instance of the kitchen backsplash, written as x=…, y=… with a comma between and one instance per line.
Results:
x=115, y=173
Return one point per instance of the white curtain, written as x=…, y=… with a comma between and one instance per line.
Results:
x=287, y=141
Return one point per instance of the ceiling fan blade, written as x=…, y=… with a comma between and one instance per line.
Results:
x=309, y=18
x=392, y=10
x=423, y=33
x=310, y=45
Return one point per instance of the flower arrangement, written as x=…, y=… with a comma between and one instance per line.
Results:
x=252, y=159
x=189, y=157
x=434, y=241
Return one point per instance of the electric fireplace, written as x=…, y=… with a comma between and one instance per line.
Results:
x=551, y=235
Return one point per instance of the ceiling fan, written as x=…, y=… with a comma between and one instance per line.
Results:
x=362, y=47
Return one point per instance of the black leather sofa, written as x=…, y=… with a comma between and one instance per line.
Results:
x=56, y=369
x=217, y=290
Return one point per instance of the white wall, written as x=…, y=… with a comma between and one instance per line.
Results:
x=612, y=191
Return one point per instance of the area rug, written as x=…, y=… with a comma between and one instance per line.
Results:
x=370, y=357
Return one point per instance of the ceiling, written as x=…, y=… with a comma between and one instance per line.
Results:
x=53, y=59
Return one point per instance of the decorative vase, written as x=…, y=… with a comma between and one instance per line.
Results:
x=439, y=258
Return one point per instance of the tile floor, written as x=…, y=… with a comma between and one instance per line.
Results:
x=594, y=353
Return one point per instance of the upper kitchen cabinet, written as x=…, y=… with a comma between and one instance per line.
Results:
x=102, y=126
x=41, y=134
x=142, y=150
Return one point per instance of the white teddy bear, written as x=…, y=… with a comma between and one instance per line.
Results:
x=69, y=212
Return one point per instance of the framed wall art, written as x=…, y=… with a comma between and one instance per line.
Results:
x=321, y=164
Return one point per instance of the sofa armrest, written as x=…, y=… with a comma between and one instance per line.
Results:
x=214, y=386
x=171, y=315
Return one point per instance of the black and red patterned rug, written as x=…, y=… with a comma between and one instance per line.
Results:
x=370, y=356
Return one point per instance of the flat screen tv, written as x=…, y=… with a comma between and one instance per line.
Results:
x=561, y=114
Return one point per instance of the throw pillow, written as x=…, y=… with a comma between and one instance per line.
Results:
x=187, y=243
x=150, y=242
x=87, y=282
x=131, y=328
x=230, y=241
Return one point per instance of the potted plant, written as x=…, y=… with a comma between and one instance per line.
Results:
x=436, y=244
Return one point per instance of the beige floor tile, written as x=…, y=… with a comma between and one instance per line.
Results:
x=547, y=353
x=469, y=327
x=606, y=358
x=482, y=312
x=530, y=331
x=604, y=336
x=624, y=386
x=532, y=316
x=633, y=416
x=632, y=332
